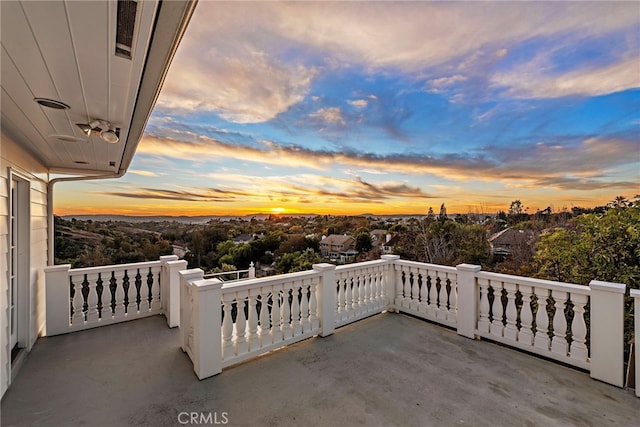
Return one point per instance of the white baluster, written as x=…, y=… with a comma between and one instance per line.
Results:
x=313, y=305
x=452, y=313
x=227, y=327
x=542, y=320
x=304, y=306
x=341, y=299
x=578, y=348
x=442, y=306
x=145, y=307
x=357, y=293
x=483, y=320
x=511, y=330
x=559, y=343
x=240, y=330
x=253, y=340
x=433, y=295
x=92, y=299
x=276, y=331
x=366, y=280
x=348, y=296
x=406, y=288
x=497, y=325
x=156, y=302
x=378, y=287
x=399, y=286
x=130, y=307
x=287, y=331
x=265, y=323
x=78, y=301
x=296, y=326
x=412, y=276
x=525, y=335
x=423, y=293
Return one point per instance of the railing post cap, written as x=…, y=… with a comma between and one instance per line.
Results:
x=636, y=294
x=324, y=266
x=192, y=273
x=617, y=288
x=166, y=258
x=56, y=268
x=390, y=257
x=469, y=267
x=208, y=284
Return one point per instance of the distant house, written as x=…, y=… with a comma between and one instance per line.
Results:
x=379, y=237
x=243, y=238
x=389, y=246
x=334, y=245
x=503, y=242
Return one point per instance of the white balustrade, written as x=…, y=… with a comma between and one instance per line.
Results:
x=84, y=298
x=364, y=290
x=429, y=291
x=541, y=336
x=226, y=324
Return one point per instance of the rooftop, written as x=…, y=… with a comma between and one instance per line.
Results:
x=389, y=369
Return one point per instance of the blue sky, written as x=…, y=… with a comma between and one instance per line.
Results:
x=389, y=107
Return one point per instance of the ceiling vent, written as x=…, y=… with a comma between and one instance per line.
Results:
x=126, y=25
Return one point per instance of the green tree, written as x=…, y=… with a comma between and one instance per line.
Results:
x=363, y=242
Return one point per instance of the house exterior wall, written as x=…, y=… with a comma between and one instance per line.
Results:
x=14, y=159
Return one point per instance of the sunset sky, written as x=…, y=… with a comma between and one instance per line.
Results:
x=387, y=107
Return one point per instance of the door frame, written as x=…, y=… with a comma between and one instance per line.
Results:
x=19, y=203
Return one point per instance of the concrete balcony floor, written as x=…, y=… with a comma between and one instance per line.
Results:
x=388, y=370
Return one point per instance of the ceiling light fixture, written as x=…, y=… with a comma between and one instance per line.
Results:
x=106, y=130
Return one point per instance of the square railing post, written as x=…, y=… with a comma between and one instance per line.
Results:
x=390, y=281
x=326, y=296
x=467, y=300
x=635, y=294
x=207, y=324
x=170, y=292
x=607, y=332
x=186, y=304
x=57, y=299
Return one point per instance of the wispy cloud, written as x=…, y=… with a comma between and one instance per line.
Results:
x=187, y=195
x=358, y=103
x=330, y=116
x=143, y=172
x=526, y=81
x=541, y=161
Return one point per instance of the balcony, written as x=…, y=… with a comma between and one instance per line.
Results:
x=373, y=366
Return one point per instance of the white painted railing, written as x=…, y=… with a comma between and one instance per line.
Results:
x=86, y=298
x=428, y=291
x=360, y=291
x=541, y=317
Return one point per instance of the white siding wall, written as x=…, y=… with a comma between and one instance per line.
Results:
x=14, y=157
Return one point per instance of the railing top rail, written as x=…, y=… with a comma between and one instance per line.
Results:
x=268, y=281
x=428, y=266
x=114, y=267
x=359, y=265
x=530, y=281
x=224, y=273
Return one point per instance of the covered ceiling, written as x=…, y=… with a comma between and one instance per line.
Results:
x=105, y=60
